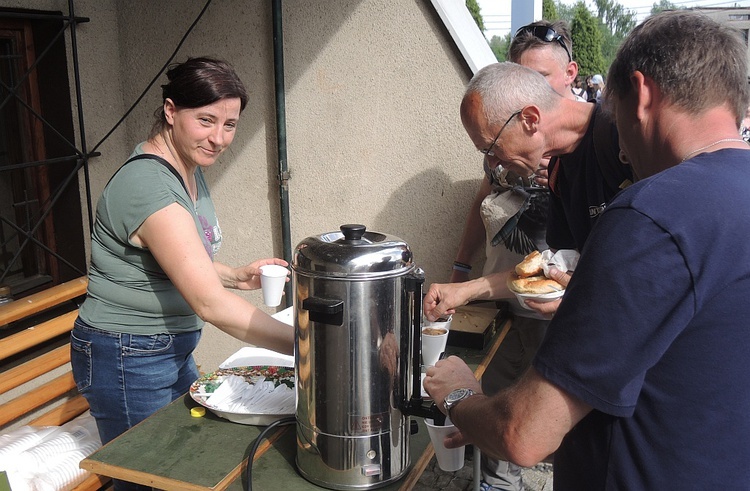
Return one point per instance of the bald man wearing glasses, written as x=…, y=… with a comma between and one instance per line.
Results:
x=516, y=130
x=514, y=215
x=545, y=47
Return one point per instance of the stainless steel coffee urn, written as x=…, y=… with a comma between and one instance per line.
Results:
x=357, y=303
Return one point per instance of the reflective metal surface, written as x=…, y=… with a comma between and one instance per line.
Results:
x=353, y=321
x=359, y=254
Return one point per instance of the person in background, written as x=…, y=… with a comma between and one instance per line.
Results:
x=578, y=89
x=545, y=47
x=597, y=83
x=641, y=381
x=745, y=126
x=153, y=278
x=590, y=90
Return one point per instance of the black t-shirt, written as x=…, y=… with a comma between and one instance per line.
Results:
x=580, y=189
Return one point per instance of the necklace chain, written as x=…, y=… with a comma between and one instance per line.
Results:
x=723, y=140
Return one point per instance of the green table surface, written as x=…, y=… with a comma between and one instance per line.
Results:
x=173, y=450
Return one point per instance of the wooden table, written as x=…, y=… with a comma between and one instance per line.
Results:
x=173, y=451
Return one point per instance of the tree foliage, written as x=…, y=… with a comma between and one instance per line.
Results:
x=549, y=10
x=587, y=41
x=618, y=22
x=499, y=46
x=564, y=11
x=475, y=11
x=613, y=15
x=663, y=5
x=596, y=34
x=611, y=20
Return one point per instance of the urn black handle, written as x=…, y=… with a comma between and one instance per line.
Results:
x=325, y=310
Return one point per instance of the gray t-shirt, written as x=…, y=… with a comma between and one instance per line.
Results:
x=128, y=291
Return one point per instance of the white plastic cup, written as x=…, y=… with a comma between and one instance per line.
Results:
x=449, y=459
x=442, y=322
x=433, y=345
x=272, y=281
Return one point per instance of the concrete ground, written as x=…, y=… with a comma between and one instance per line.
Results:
x=537, y=478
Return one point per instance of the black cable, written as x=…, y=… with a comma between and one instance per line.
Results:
x=279, y=422
x=148, y=87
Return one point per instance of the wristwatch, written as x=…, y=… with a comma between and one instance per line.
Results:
x=456, y=396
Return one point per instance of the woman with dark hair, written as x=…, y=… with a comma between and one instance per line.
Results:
x=153, y=280
x=590, y=89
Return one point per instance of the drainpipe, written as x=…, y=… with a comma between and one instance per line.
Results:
x=284, y=174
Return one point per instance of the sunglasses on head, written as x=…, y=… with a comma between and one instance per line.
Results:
x=546, y=34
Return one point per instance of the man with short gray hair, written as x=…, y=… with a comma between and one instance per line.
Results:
x=545, y=47
x=513, y=116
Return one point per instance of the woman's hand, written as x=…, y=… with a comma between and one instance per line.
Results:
x=248, y=277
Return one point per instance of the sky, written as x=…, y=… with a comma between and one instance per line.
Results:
x=496, y=13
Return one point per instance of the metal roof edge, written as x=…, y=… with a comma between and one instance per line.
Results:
x=465, y=33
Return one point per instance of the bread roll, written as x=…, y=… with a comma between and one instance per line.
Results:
x=535, y=285
x=530, y=266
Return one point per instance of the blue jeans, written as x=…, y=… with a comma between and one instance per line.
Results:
x=127, y=377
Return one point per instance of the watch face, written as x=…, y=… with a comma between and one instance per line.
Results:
x=458, y=394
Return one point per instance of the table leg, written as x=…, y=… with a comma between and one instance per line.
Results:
x=477, y=468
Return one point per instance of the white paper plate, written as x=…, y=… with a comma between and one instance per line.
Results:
x=251, y=356
x=538, y=297
x=245, y=357
x=286, y=316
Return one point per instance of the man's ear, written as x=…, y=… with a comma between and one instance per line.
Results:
x=530, y=117
x=571, y=72
x=645, y=90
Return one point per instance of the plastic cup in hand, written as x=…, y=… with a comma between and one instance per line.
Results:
x=272, y=281
x=441, y=322
x=434, y=340
x=449, y=459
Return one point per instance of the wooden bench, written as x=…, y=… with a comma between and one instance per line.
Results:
x=44, y=318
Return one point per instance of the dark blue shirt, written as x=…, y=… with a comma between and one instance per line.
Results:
x=654, y=334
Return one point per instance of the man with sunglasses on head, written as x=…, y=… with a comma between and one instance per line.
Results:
x=545, y=47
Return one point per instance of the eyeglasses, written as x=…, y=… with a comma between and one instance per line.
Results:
x=546, y=34
x=488, y=151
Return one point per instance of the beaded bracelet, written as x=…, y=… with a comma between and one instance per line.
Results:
x=463, y=267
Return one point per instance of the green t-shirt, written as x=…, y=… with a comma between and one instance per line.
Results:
x=128, y=291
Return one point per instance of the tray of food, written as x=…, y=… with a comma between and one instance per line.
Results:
x=254, y=387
